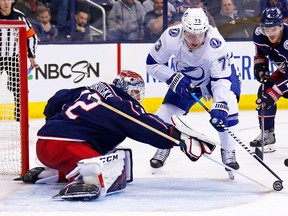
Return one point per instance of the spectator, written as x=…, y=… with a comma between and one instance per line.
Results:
x=148, y=6
x=214, y=7
x=230, y=24
x=29, y=8
x=153, y=21
x=82, y=30
x=200, y=4
x=44, y=29
x=125, y=21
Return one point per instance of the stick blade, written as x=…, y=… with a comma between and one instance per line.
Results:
x=259, y=153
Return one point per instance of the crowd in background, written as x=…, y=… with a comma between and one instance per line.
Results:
x=137, y=20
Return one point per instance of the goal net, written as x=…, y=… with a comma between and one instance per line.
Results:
x=14, y=158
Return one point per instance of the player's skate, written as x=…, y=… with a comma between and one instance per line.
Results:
x=269, y=141
x=79, y=192
x=229, y=159
x=31, y=176
x=158, y=160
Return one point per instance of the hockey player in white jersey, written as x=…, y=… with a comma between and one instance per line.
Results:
x=201, y=59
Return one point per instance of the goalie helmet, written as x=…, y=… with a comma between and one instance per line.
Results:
x=132, y=83
x=195, y=21
x=271, y=17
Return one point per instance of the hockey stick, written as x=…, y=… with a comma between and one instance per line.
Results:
x=227, y=167
x=277, y=185
x=90, y=97
x=177, y=142
x=262, y=123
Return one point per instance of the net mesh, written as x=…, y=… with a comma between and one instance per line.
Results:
x=10, y=131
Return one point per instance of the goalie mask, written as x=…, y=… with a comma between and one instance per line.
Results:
x=132, y=83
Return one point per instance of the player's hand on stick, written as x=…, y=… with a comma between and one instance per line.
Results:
x=267, y=99
x=180, y=84
x=261, y=68
x=219, y=116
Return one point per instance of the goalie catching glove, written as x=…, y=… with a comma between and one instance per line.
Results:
x=192, y=143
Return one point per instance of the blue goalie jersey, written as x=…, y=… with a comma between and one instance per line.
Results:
x=71, y=116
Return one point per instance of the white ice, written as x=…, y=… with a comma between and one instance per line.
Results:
x=182, y=187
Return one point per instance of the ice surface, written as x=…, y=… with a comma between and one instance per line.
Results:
x=182, y=187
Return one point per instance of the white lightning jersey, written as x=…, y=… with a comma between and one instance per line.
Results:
x=211, y=62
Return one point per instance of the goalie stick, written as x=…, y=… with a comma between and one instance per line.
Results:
x=277, y=185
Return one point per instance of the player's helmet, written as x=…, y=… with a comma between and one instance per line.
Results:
x=271, y=17
x=132, y=83
x=195, y=21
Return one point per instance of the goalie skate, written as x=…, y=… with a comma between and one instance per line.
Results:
x=158, y=160
x=79, y=192
x=31, y=176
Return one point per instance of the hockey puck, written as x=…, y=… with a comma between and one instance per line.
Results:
x=277, y=185
x=286, y=162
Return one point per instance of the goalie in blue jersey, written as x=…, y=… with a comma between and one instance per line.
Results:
x=83, y=128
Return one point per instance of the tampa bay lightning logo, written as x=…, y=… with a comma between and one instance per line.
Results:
x=158, y=45
x=215, y=43
x=174, y=32
x=195, y=73
x=285, y=44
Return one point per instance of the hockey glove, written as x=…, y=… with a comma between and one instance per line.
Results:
x=219, y=116
x=267, y=99
x=192, y=143
x=180, y=84
x=192, y=147
x=261, y=68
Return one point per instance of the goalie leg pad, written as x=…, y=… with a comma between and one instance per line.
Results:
x=106, y=172
x=128, y=163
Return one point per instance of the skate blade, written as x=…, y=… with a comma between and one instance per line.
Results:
x=155, y=170
x=267, y=149
x=231, y=175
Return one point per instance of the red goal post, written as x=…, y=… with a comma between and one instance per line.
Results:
x=14, y=132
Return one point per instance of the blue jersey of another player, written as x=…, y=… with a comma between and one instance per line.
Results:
x=278, y=53
x=71, y=116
